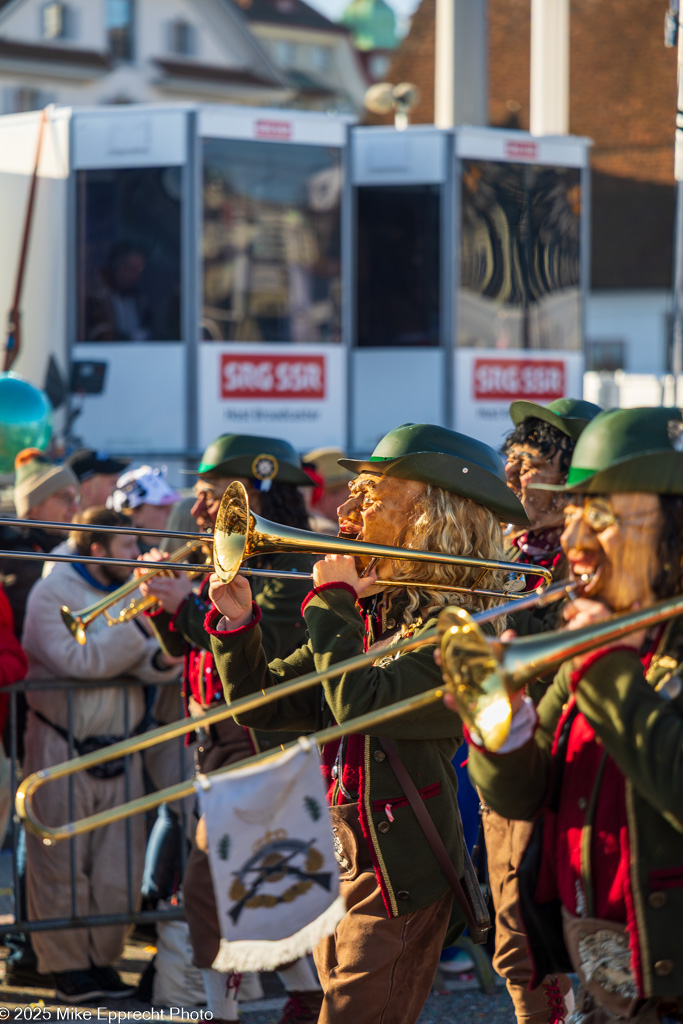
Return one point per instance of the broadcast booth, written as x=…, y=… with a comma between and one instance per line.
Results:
x=471, y=250
x=194, y=270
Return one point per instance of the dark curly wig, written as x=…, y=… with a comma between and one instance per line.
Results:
x=284, y=504
x=547, y=438
x=669, y=580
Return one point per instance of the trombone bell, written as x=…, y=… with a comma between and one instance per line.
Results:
x=470, y=664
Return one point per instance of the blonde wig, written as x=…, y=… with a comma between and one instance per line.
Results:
x=441, y=521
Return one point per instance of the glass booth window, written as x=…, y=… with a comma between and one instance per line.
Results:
x=128, y=276
x=399, y=266
x=271, y=243
x=520, y=256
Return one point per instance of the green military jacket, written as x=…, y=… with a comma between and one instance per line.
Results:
x=639, y=722
x=426, y=740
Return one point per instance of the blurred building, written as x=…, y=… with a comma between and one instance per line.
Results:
x=316, y=56
x=623, y=97
x=256, y=52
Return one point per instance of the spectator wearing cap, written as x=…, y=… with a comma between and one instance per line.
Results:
x=43, y=491
x=147, y=498
x=332, y=490
x=97, y=474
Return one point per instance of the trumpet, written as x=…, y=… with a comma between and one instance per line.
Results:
x=507, y=668
x=241, y=534
x=78, y=622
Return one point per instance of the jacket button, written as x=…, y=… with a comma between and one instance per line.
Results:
x=379, y=755
x=402, y=895
x=583, y=803
x=383, y=826
x=663, y=967
x=657, y=900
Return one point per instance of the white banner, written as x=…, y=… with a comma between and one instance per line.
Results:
x=294, y=392
x=272, y=861
x=488, y=380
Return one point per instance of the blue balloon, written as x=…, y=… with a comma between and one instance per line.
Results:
x=25, y=418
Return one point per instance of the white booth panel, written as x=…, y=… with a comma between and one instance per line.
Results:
x=142, y=407
x=488, y=380
x=520, y=147
x=296, y=392
x=264, y=125
x=383, y=156
x=139, y=137
x=392, y=386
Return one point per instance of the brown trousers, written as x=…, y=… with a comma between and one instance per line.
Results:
x=506, y=841
x=376, y=969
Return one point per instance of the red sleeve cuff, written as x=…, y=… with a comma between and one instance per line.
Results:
x=214, y=616
x=152, y=613
x=578, y=674
x=328, y=586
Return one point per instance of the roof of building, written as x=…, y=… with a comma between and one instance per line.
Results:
x=622, y=96
x=292, y=13
x=197, y=71
x=73, y=55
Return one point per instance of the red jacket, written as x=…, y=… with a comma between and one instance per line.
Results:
x=13, y=663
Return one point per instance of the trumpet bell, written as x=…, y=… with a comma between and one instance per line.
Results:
x=470, y=664
x=74, y=624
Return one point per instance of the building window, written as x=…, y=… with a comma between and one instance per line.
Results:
x=119, y=24
x=182, y=38
x=607, y=356
x=284, y=52
x=26, y=98
x=321, y=58
x=54, y=21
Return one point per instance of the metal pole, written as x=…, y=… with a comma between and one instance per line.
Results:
x=676, y=360
x=549, y=99
x=460, y=63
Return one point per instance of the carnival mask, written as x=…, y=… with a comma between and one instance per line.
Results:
x=380, y=510
x=525, y=466
x=615, y=538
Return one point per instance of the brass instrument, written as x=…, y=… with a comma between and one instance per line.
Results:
x=78, y=622
x=241, y=534
x=453, y=624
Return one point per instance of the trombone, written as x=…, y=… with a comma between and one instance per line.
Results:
x=478, y=672
x=241, y=534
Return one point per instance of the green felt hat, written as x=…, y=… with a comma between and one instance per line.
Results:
x=628, y=450
x=444, y=458
x=259, y=458
x=570, y=415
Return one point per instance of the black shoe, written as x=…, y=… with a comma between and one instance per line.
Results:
x=77, y=986
x=111, y=985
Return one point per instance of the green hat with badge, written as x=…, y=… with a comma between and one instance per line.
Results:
x=446, y=459
x=569, y=415
x=260, y=458
x=639, y=450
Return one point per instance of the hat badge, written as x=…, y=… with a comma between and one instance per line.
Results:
x=264, y=467
x=674, y=429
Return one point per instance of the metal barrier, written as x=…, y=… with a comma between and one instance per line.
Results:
x=131, y=916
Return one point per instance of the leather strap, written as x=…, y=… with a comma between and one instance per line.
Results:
x=429, y=828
